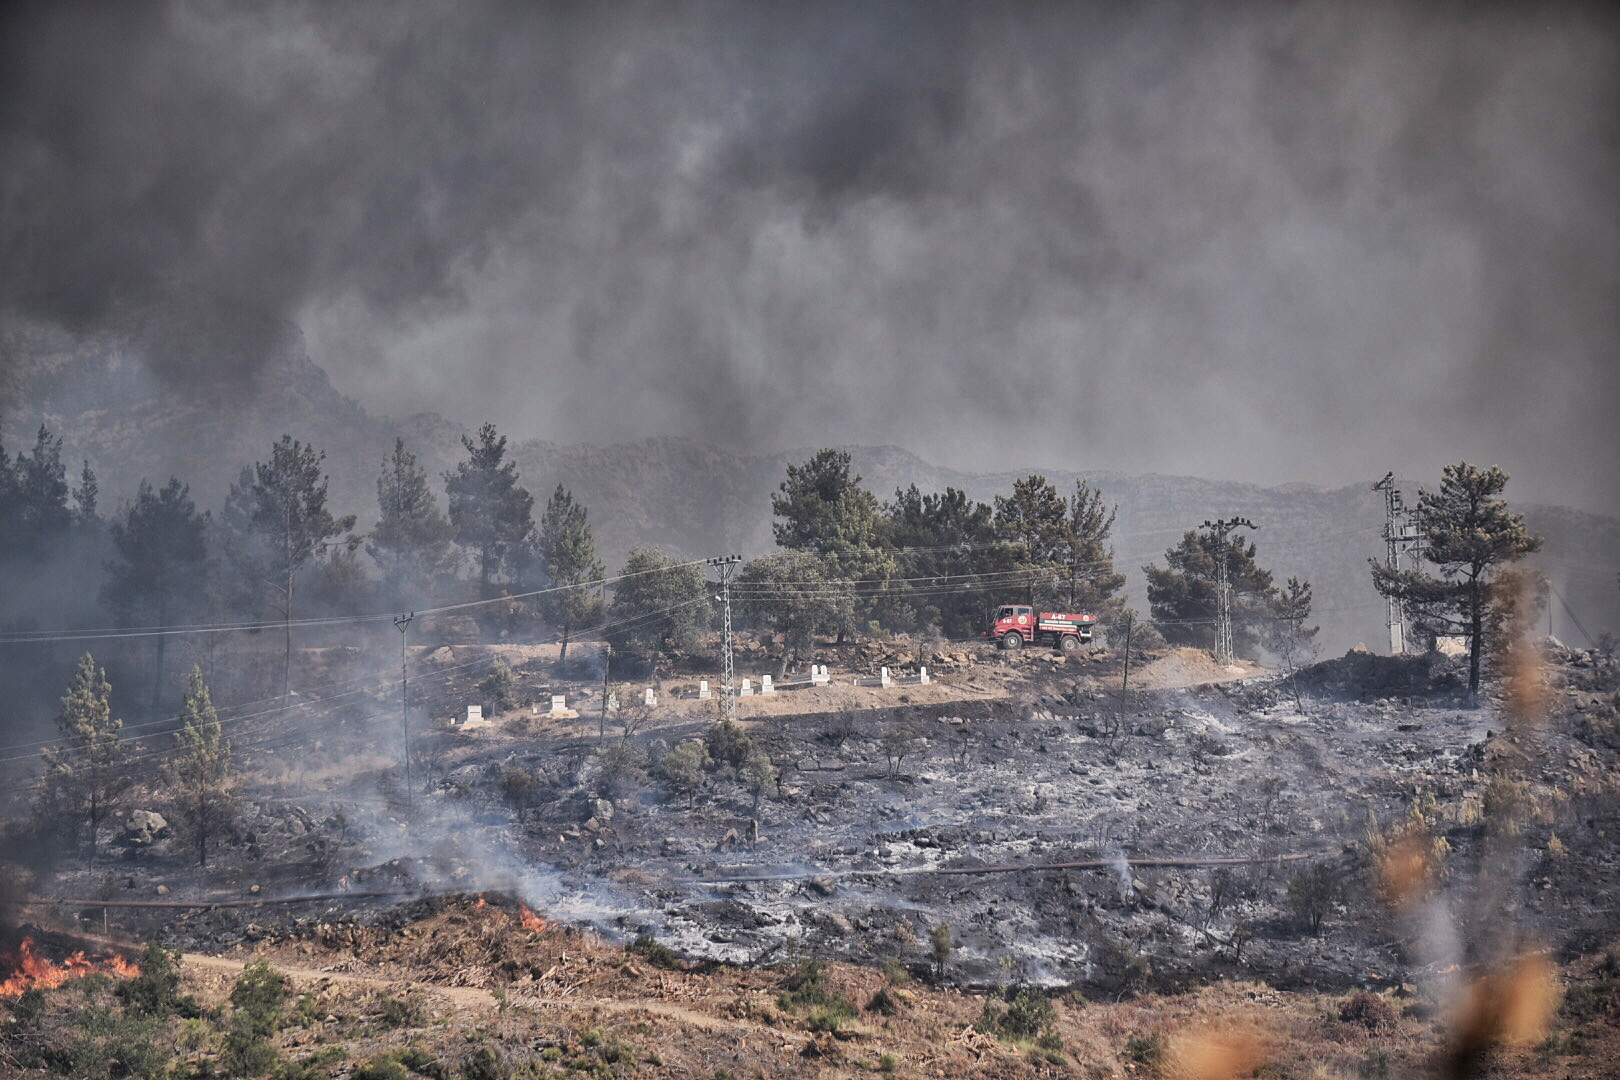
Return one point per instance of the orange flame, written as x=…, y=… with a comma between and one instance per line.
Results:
x=529, y=919
x=33, y=970
x=481, y=902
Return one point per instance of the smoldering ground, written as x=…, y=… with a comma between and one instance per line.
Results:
x=1264, y=241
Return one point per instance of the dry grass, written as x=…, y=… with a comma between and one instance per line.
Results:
x=467, y=980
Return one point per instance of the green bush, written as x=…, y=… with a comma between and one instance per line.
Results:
x=659, y=956
x=728, y=744
x=1145, y=1049
x=156, y=990
x=403, y=1011
x=1029, y=1014
x=383, y=1068
x=258, y=997
x=883, y=1003
x=832, y=1016
x=805, y=987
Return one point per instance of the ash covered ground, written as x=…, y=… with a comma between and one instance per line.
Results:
x=901, y=809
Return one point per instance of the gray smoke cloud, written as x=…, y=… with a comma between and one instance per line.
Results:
x=1263, y=241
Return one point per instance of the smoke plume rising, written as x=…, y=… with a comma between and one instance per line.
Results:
x=1265, y=241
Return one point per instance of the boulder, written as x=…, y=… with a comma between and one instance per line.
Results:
x=144, y=828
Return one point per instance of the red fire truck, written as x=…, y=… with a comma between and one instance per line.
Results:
x=1015, y=625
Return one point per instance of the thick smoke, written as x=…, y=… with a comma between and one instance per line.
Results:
x=1265, y=241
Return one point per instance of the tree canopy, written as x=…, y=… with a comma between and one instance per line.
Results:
x=1470, y=539
x=567, y=550
x=411, y=540
x=202, y=784
x=84, y=776
x=658, y=605
x=1062, y=544
x=158, y=575
x=492, y=513
x=1184, y=600
x=283, y=523
x=793, y=594
x=943, y=541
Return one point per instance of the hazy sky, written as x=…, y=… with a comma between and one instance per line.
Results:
x=1260, y=241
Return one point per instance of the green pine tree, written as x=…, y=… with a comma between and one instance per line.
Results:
x=1472, y=538
x=200, y=778
x=85, y=776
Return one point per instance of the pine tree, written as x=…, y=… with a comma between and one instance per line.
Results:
x=411, y=540
x=84, y=777
x=492, y=513
x=40, y=514
x=567, y=550
x=658, y=605
x=285, y=509
x=1062, y=543
x=200, y=776
x=1183, y=596
x=793, y=594
x=1471, y=539
x=944, y=541
x=824, y=510
x=159, y=573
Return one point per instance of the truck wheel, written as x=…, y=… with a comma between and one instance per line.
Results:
x=1069, y=643
x=1012, y=641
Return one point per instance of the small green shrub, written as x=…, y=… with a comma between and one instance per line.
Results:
x=939, y=944
x=832, y=1016
x=1585, y=1001
x=1145, y=1049
x=805, y=987
x=398, y=1012
x=258, y=996
x=728, y=744
x=659, y=956
x=883, y=1003
x=387, y=1067
x=156, y=990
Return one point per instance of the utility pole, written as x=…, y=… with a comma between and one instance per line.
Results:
x=1403, y=535
x=727, y=565
x=1393, y=616
x=607, y=661
x=403, y=622
x=1223, y=587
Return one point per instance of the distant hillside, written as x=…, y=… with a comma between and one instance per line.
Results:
x=239, y=384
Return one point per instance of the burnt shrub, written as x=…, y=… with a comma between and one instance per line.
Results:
x=1369, y=1011
x=1121, y=969
x=1312, y=894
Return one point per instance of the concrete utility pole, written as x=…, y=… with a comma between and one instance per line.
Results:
x=404, y=624
x=1223, y=587
x=727, y=565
